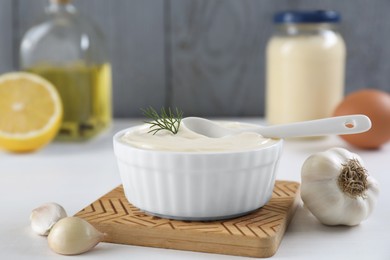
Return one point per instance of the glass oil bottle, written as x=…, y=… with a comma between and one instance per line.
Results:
x=70, y=52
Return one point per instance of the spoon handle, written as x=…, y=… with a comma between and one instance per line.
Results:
x=350, y=124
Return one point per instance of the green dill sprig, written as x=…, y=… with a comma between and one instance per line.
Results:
x=166, y=120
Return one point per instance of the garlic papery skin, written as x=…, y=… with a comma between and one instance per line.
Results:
x=44, y=217
x=73, y=236
x=336, y=187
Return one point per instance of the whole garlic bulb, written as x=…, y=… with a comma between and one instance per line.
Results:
x=336, y=187
x=73, y=235
x=44, y=217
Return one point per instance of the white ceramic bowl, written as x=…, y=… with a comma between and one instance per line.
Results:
x=197, y=185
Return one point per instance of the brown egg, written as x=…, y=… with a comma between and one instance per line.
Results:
x=376, y=105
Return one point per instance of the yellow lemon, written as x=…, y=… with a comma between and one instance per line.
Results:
x=30, y=112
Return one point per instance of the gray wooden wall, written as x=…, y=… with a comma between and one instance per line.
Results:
x=204, y=56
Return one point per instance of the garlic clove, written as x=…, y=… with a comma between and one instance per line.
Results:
x=73, y=235
x=44, y=217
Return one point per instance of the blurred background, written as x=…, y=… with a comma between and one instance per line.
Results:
x=204, y=56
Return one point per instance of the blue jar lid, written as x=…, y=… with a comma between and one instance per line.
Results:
x=319, y=16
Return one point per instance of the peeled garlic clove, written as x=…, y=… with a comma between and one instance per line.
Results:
x=44, y=217
x=72, y=236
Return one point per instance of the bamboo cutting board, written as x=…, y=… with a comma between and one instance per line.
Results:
x=257, y=234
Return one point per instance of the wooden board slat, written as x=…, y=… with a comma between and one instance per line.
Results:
x=257, y=234
x=217, y=60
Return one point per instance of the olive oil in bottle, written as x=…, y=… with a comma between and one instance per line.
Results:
x=86, y=97
x=70, y=52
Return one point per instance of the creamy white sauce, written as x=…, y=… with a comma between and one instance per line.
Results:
x=188, y=141
x=305, y=76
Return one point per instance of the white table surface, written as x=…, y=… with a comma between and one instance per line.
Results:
x=76, y=174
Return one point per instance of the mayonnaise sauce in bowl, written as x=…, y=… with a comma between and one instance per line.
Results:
x=188, y=176
x=188, y=141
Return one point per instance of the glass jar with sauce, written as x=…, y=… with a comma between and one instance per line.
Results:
x=305, y=63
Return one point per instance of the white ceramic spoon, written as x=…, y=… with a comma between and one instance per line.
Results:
x=350, y=124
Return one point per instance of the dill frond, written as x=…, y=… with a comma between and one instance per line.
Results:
x=166, y=120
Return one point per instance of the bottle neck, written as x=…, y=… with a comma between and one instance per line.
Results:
x=305, y=28
x=61, y=6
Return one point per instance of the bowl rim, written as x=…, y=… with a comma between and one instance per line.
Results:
x=117, y=140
